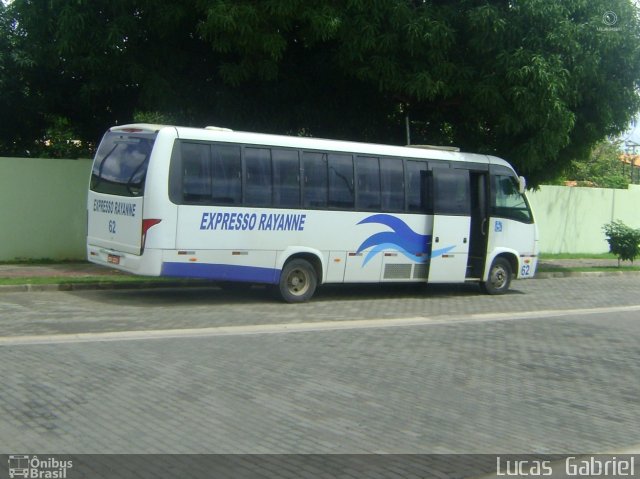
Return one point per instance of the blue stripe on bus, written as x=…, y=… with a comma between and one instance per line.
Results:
x=225, y=272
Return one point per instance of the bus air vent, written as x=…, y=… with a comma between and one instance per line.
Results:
x=397, y=271
x=420, y=271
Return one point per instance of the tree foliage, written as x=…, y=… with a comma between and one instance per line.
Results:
x=537, y=82
x=602, y=169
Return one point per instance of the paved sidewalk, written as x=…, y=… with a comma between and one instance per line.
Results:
x=68, y=271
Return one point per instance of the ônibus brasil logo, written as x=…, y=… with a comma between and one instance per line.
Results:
x=38, y=468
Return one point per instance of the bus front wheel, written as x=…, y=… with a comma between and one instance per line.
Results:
x=297, y=281
x=499, y=279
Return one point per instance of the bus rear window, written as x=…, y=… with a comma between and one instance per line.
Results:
x=120, y=165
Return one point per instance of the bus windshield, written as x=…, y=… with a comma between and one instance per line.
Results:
x=120, y=165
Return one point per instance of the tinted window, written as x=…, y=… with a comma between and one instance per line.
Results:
x=196, y=172
x=286, y=178
x=368, y=169
x=392, y=180
x=341, y=194
x=451, y=195
x=258, y=176
x=417, y=186
x=315, y=179
x=507, y=201
x=226, y=177
x=121, y=162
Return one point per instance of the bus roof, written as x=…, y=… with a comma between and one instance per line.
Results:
x=227, y=135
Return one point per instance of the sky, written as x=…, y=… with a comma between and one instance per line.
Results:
x=633, y=133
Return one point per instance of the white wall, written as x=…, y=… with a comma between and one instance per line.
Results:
x=43, y=211
x=570, y=219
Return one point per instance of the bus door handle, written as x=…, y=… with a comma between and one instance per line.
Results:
x=484, y=222
x=437, y=239
x=464, y=241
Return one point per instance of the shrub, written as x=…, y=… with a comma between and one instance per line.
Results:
x=623, y=240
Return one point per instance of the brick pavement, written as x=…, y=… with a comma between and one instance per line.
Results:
x=546, y=385
x=116, y=310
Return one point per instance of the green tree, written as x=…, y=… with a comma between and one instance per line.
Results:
x=61, y=140
x=602, y=169
x=18, y=104
x=538, y=82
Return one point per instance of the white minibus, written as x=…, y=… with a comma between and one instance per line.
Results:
x=298, y=212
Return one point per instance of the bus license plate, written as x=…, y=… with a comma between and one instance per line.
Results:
x=113, y=259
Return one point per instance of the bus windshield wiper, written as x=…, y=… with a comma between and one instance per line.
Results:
x=99, y=175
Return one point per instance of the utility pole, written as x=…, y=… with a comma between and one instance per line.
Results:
x=408, y=129
x=630, y=149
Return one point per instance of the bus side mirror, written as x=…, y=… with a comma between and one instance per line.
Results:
x=522, y=184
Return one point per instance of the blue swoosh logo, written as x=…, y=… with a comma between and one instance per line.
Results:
x=401, y=238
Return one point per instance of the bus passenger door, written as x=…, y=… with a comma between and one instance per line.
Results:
x=449, y=250
x=479, y=224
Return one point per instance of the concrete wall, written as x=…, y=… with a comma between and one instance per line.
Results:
x=570, y=219
x=43, y=211
x=43, y=208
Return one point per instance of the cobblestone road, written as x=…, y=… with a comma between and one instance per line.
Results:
x=116, y=310
x=544, y=382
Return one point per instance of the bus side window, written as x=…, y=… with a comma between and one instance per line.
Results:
x=341, y=184
x=315, y=179
x=196, y=172
x=258, y=179
x=368, y=192
x=427, y=189
x=451, y=192
x=417, y=187
x=392, y=182
x=286, y=178
x=226, y=172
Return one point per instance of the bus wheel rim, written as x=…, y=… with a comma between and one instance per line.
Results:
x=297, y=282
x=498, y=277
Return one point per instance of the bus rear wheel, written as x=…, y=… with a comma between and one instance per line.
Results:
x=297, y=281
x=499, y=279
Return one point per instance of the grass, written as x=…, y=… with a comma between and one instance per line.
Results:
x=585, y=269
x=42, y=261
x=552, y=256
x=122, y=280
